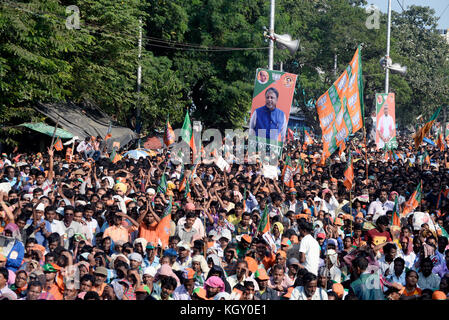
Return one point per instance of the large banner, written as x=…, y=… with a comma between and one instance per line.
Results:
x=385, y=121
x=270, y=109
x=340, y=109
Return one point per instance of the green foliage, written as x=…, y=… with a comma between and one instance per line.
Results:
x=41, y=60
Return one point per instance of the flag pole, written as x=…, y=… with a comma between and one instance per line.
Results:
x=350, y=208
x=54, y=133
x=420, y=198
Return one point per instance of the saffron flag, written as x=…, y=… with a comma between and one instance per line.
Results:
x=108, y=133
x=169, y=134
x=115, y=156
x=58, y=145
x=290, y=135
x=307, y=138
x=163, y=227
x=187, y=134
x=341, y=109
x=395, y=219
x=421, y=133
x=264, y=224
x=287, y=173
x=349, y=173
x=413, y=202
x=440, y=143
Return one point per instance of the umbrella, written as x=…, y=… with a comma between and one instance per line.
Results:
x=136, y=154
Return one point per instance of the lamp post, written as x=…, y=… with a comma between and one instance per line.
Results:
x=387, y=70
x=271, y=33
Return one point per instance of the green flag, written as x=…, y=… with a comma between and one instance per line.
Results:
x=162, y=187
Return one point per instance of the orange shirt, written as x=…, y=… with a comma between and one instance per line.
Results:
x=54, y=290
x=416, y=292
x=117, y=233
x=268, y=262
x=149, y=233
x=99, y=290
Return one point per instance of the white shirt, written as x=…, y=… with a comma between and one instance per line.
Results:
x=377, y=208
x=310, y=247
x=299, y=294
x=386, y=128
x=197, y=225
x=409, y=259
x=393, y=278
x=384, y=265
x=91, y=229
x=233, y=281
x=57, y=226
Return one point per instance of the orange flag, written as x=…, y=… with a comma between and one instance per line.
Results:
x=163, y=227
x=58, y=145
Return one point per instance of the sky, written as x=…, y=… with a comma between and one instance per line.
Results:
x=438, y=5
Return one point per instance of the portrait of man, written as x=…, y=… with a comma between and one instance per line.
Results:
x=262, y=77
x=269, y=117
x=385, y=127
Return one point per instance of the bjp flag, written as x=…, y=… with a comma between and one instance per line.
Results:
x=163, y=227
x=413, y=202
x=349, y=173
x=58, y=145
x=422, y=132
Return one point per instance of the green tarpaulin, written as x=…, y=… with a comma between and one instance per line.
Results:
x=48, y=130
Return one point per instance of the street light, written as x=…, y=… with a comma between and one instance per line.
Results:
x=283, y=41
x=386, y=61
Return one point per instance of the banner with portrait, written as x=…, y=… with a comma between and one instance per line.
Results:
x=385, y=121
x=270, y=109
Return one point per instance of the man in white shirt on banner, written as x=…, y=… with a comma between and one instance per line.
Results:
x=385, y=128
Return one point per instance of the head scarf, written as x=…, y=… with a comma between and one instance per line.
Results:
x=119, y=289
x=14, y=230
x=215, y=259
x=280, y=227
x=204, y=267
x=142, y=241
x=214, y=282
x=110, y=182
x=84, y=264
x=166, y=270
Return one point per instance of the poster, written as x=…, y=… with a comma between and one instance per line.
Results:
x=270, y=108
x=385, y=121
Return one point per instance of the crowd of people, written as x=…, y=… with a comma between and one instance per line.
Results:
x=88, y=228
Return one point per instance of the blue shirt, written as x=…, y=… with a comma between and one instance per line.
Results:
x=40, y=238
x=264, y=118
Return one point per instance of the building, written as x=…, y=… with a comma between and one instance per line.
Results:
x=444, y=33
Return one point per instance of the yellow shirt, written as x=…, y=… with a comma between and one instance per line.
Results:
x=234, y=219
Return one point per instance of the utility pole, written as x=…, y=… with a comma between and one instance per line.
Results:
x=271, y=32
x=387, y=70
x=139, y=82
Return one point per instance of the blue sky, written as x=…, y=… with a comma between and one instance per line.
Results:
x=438, y=5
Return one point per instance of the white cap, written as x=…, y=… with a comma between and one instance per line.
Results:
x=183, y=245
x=151, y=191
x=213, y=233
x=225, y=233
x=150, y=271
x=40, y=207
